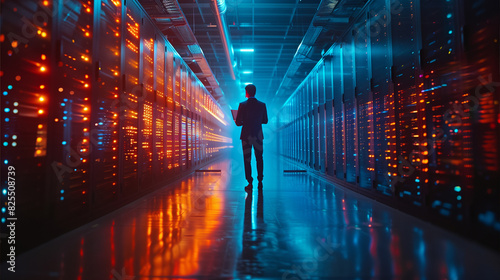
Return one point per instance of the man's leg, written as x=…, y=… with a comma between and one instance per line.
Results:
x=247, y=157
x=259, y=150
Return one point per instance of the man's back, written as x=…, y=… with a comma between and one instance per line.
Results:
x=251, y=115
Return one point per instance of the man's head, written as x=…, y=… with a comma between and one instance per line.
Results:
x=250, y=90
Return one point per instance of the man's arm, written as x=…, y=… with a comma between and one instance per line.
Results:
x=264, y=120
x=239, y=116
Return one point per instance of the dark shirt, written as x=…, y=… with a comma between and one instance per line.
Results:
x=251, y=115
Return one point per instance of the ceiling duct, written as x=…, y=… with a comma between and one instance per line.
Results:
x=332, y=18
x=170, y=19
x=219, y=10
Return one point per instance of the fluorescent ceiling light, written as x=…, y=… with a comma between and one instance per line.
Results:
x=246, y=84
x=246, y=50
x=247, y=72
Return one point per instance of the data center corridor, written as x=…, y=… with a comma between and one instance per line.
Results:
x=297, y=226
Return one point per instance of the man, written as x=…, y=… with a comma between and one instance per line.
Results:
x=251, y=115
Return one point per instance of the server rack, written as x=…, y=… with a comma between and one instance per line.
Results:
x=98, y=108
x=412, y=115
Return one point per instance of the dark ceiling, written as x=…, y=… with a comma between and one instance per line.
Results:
x=272, y=28
x=287, y=39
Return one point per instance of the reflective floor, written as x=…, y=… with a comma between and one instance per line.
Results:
x=296, y=227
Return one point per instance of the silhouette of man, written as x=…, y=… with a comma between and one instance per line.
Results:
x=251, y=115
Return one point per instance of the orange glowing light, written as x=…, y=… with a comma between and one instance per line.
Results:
x=87, y=34
x=40, y=111
x=39, y=139
x=44, y=34
x=88, y=10
x=41, y=99
x=42, y=86
x=38, y=152
x=18, y=78
x=40, y=126
x=42, y=69
x=46, y=3
x=85, y=109
x=86, y=85
x=56, y=119
x=85, y=118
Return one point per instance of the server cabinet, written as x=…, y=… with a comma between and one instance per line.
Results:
x=383, y=98
x=449, y=145
x=145, y=103
x=364, y=106
x=105, y=113
x=329, y=122
x=25, y=107
x=410, y=103
x=129, y=99
x=177, y=115
x=338, y=110
x=322, y=118
x=350, y=121
x=73, y=32
x=313, y=86
x=169, y=121
x=159, y=148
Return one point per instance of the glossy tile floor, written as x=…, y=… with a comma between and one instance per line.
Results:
x=297, y=227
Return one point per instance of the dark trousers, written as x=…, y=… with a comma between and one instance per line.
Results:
x=247, y=157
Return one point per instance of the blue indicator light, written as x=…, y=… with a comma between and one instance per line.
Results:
x=99, y=143
x=64, y=142
x=62, y=197
x=3, y=220
x=417, y=180
x=5, y=93
x=456, y=130
x=3, y=210
x=63, y=104
x=4, y=191
x=7, y=119
x=450, y=32
x=5, y=144
x=6, y=110
x=65, y=118
x=458, y=188
x=6, y=135
x=9, y=86
x=62, y=191
x=6, y=161
x=459, y=197
x=448, y=16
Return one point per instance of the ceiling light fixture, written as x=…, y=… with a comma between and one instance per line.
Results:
x=246, y=50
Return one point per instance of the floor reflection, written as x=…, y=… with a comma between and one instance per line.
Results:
x=254, y=231
x=207, y=227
